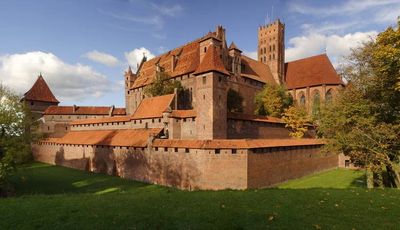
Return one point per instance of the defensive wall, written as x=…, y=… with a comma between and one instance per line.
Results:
x=194, y=164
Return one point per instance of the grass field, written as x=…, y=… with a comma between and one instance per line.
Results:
x=51, y=197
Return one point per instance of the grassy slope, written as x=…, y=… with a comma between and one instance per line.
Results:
x=55, y=197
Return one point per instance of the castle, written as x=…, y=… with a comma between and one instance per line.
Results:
x=190, y=139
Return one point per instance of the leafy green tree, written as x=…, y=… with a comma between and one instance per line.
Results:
x=17, y=131
x=297, y=121
x=364, y=121
x=272, y=100
x=162, y=85
x=234, y=101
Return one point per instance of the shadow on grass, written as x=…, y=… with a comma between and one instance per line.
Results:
x=39, y=178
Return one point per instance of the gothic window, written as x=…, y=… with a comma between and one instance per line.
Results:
x=328, y=96
x=316, y=103
x=302, y=100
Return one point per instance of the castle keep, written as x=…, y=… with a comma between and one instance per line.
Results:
x=190, y=139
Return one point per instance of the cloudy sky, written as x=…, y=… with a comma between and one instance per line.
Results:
x=83, y=47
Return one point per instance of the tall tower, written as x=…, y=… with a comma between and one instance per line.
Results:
x=271, y=48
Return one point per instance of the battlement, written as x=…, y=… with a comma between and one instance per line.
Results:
x=274, y=24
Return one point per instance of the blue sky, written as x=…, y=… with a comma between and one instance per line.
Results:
x=83, y=47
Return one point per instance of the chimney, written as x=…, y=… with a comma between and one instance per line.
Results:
x=111, y=111
x=173, y=62
x=74, y=107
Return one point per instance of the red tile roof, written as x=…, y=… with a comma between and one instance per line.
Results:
x=250, y=117
x=125, y=137
x=311, y=71
x=256, y=70
x=211, y=62
x=40, y=91
x=83, y=110
x=183, y=113
x=236, y=143
x=152, y=107
x=187, y=59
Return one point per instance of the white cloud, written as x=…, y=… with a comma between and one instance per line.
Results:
x=153, y=20
x=135, y=56
x=251, y=54
x=103, y=58
x=68, y=82
x=171, y=11
x=336, y=46
x=348, y=7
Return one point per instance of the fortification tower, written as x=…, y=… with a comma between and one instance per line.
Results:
x=271, y=48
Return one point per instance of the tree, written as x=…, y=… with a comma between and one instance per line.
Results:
x=17, y=131
x=364, y=121
x=272, y=100
x=162, y=85
x=297, y=121
x=234, y=101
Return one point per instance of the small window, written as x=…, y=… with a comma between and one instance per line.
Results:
x=217, y=151
x=32, y=103
x=186, y=150
x=165, y=149
x=48, y=128
x=176, y=150
x=204, y=80
x=156, y=148
x=159, y=120
x=204, y=96
x=66, y=128
x=205, y=49
x=234, y=151
x=152, y=120
x=184, y=119
x=219, y=78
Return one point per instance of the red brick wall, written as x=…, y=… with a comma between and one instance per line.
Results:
x=196, y=169
x=277, y=165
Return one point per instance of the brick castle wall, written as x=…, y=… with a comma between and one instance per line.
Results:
x=191, y=168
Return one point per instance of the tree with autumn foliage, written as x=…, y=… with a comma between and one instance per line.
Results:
x=364, y=120
x=296, y=120
x=272, y=100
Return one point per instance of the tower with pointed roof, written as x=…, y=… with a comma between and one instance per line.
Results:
x=129, y=79
x=39, y=98
x=271, y=48
x=211, y=90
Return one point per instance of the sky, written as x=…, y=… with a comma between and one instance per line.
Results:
x=82, y=48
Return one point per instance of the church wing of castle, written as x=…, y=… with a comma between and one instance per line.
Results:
x=191, y=140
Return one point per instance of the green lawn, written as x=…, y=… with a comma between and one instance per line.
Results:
x=51, y=197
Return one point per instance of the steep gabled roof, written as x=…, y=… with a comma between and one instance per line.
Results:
x=256, y=70
x=40, y=91
x=153, y=107
x=211, y=62
x=311, y=71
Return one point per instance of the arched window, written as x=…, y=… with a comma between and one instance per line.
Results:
x=265, y=50
x=316, y=103
x=328, y=96
x=261, y=51
x=302, y=99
